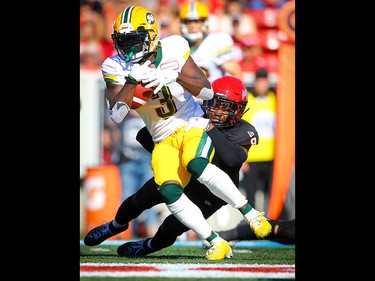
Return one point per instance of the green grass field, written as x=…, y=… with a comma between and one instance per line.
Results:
x=187, y=256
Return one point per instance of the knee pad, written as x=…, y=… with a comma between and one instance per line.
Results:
x=170, y=192
x=197, y=166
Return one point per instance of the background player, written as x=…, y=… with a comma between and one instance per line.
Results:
x=212, y=52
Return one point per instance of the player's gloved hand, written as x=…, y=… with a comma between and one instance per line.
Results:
x=160, y=78
x=138, y=72
x=197, y=122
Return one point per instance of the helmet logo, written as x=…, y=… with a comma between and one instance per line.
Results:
x=150, y=18
x=244, y=95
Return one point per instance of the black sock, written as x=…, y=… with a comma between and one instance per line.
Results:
x=245, y=232
x=147, y=249
x=285, y=232
x=116, y=229
x=240, y=232
x=127, y=211
x=229, y=235
x=112, y=228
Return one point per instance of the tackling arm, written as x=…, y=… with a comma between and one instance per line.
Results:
x=232, y=154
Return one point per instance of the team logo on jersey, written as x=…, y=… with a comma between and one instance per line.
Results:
x=253, y=138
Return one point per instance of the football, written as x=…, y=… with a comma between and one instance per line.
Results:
x=141, y=95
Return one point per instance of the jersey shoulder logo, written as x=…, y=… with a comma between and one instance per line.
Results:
x=253, y=137
x=250, y=133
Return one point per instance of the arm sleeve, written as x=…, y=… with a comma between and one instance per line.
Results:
x=145, y=139
x=232, y=154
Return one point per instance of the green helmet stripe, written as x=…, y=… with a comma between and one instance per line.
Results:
x=127, y=13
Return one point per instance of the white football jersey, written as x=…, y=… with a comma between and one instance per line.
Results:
x=172, y=106
x=214, y=50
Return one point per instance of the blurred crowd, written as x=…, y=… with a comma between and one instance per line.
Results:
x=253, y=26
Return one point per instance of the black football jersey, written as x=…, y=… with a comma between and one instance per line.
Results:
x=243, y=134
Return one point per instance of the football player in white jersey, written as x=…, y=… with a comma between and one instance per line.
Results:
x=212, y=52
x=182, y=147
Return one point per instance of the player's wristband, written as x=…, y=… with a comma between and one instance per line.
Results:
x=119, y=111
x=206, y=94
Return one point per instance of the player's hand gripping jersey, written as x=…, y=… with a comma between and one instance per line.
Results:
x=172, y=106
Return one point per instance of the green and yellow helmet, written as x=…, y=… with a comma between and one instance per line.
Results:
x=135, y=33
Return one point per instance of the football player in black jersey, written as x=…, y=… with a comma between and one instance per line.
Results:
x=232, y=138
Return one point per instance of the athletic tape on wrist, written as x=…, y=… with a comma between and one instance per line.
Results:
x=206, y=94
x=119, y=111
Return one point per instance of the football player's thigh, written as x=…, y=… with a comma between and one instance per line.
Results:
x=167, y=166
x=197, y=144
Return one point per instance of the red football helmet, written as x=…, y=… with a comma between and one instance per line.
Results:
x=228, y=104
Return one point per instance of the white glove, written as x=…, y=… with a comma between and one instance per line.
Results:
x=160, y=78
x=139, y=72
x=197, y=122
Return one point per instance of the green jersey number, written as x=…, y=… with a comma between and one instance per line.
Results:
x=167, y=106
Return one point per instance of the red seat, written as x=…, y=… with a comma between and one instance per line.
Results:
x=272, y=59
x=265, y=18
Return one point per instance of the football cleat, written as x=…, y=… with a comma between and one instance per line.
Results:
x=259, y=224
x=219, y=250
x=207, y=245
x=134, y=249
x=100, y=233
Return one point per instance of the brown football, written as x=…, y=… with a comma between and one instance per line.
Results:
x=141, y=95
